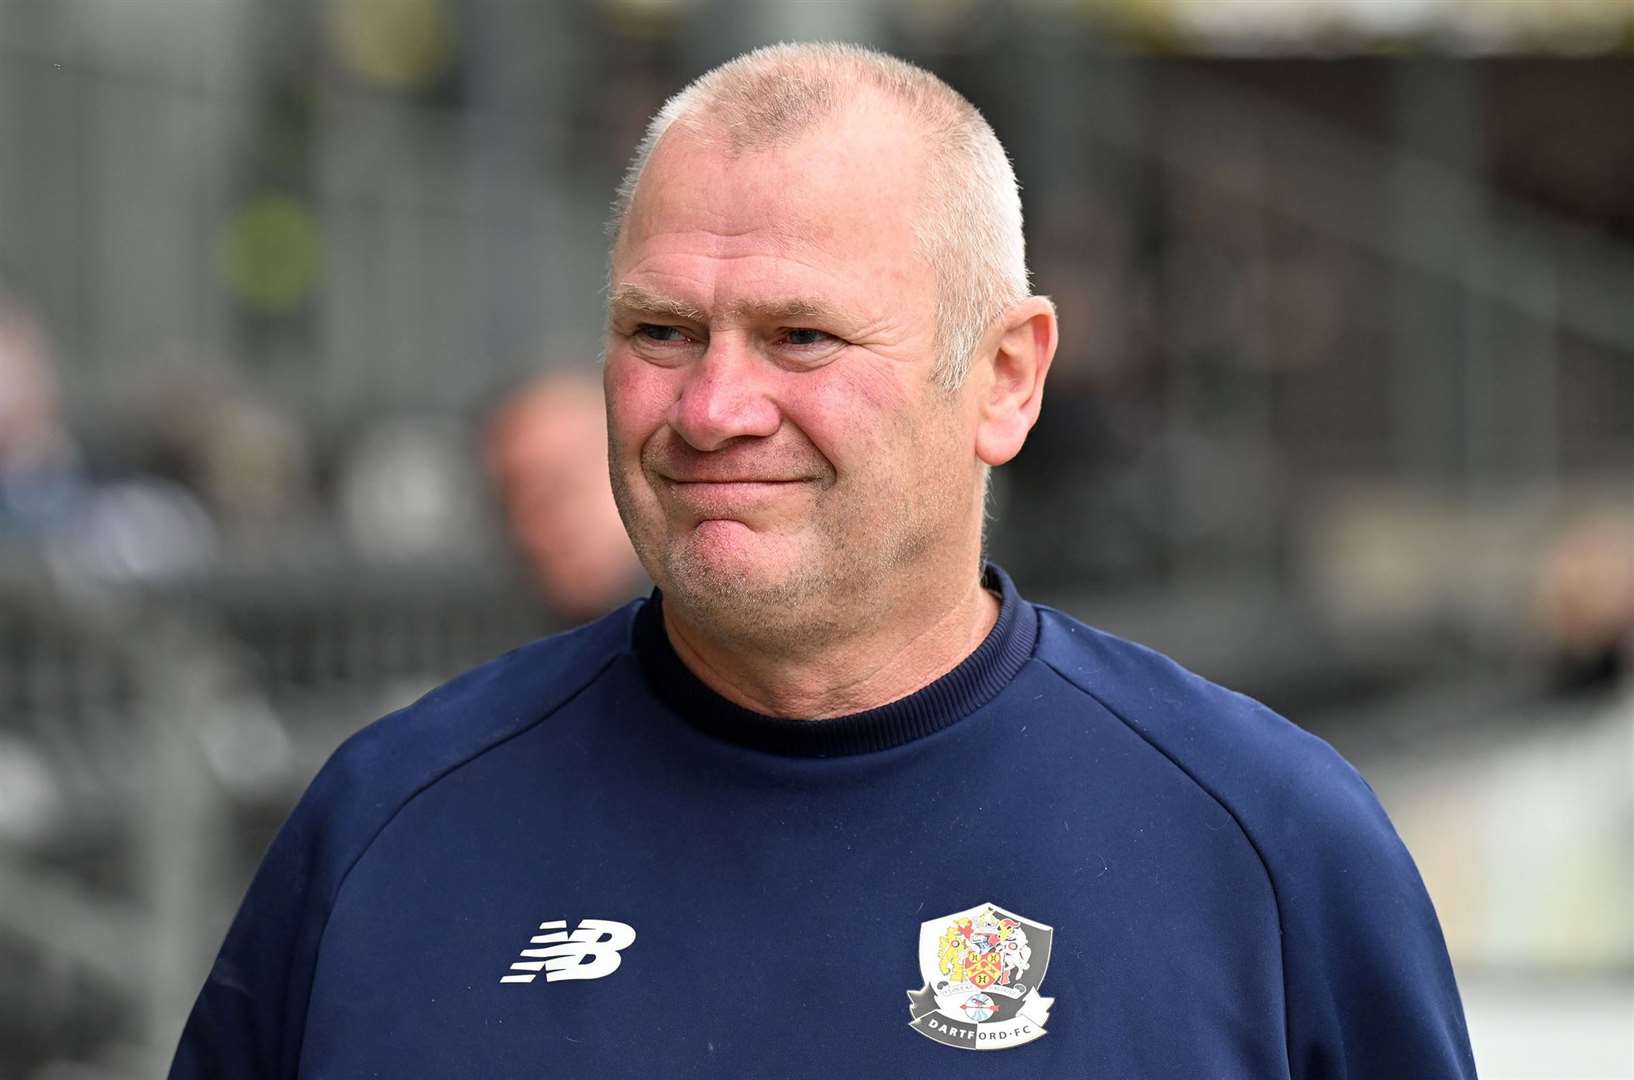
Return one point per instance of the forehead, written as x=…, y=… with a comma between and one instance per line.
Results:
x=551, y=414
x=832, y=209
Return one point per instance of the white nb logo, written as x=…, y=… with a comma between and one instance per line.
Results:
x=590, y=952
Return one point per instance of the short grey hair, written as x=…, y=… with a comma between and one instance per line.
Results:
x=969, y=231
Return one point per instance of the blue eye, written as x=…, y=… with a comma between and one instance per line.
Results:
x=804, y=336
x=655, y=332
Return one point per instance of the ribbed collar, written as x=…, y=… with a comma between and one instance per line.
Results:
x=975, y=682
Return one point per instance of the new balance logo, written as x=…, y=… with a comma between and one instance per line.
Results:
x=590, y=952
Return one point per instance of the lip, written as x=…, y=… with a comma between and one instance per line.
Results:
x=714, y=498
x=731, y=489
x=744, y=483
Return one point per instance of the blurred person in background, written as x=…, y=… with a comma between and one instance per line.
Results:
x=545, y=447
x=90, y=528
x=817, y=767
x=217, y=436
x=1586, y=596
x=39, y=462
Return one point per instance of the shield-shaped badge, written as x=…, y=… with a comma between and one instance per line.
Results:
x=982, y=969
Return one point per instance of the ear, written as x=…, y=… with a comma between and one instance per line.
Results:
x=1013, y=390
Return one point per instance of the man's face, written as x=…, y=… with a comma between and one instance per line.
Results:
x=778, y=446
x=545, y=455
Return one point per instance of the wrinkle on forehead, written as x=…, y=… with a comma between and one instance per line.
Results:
x=823, y=224
x=634, y=298
x=842, y=169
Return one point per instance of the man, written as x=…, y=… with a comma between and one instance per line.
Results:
x=834, y=801
x=544, y=447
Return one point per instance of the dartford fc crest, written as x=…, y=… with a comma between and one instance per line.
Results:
x=982, y=970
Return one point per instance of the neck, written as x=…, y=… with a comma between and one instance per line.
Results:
x=910, y=644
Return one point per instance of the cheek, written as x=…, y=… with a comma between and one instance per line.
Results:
x=639, y=396
x=851, y=417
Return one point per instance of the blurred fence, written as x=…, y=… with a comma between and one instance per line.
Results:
x=152, y=740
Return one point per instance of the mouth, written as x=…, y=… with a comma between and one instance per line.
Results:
x=713, y=498
x=731, y=489
x=731, y=485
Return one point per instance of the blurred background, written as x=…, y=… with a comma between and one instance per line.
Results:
x=300, y=309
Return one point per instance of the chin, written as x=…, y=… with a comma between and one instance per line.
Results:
x=727, y=556
x=740, y=581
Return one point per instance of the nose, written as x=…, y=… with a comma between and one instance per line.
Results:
x=723, y=397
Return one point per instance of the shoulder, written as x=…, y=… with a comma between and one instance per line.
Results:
x=252, y=1010
x=1292, y=793
x=379, y=769
x=1369, y=986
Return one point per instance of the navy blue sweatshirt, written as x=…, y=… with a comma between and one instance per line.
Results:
x=578, y=861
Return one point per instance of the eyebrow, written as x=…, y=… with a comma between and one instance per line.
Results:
x=633, y=298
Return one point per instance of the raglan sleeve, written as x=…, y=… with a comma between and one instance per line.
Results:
x=249, y=1019
x=1369, y=984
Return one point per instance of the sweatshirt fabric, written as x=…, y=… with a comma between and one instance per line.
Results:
x=1067, y=857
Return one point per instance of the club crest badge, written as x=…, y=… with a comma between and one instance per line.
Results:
x=982, y=970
